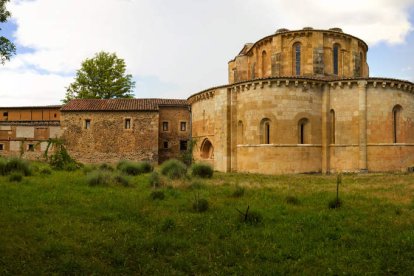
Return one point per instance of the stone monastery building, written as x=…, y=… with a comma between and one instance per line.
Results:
x=297, y=101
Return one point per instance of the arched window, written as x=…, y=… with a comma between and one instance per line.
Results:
x=265, y=131
x=303, y=131
x=240, y=133
x=396, y=122
x=336, y=59
x=296, y=58
x=264, y=63
x=332, y=113
x=207, y=150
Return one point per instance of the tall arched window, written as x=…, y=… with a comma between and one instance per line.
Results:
x=296, y=58
x=264, y=63
x=240, y=133
x=303, y=131
x=396, y=122
x=336, y=59
x=265, y=131
x=332, y=113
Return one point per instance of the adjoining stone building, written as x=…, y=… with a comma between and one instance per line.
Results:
x=98, y=131
x=302, y=101
x=24, y=131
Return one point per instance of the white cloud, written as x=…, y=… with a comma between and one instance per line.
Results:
x=184, y=43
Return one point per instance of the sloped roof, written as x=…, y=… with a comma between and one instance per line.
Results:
x=32, y=107
x=121, y=104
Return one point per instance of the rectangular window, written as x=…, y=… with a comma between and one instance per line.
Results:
x=30, y=147
x=164, y=126
x=183, y=126
x=5, y=114
x=183, y=145
x=1, y=146
x=87, y=124
x=165, y=144
x=127, y=123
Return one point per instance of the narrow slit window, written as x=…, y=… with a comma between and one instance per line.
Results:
x=87, y=124
x=332, y=126
x=335, y=59
x=127, y=123
x=297, y=56
x=396, y=117
x=303, y=131
x=265, y=131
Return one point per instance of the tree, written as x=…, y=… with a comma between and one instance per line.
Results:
x=101, y=77
x=7, y=48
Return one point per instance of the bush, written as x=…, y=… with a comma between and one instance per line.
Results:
x=239, y=192
x=134, y=168
x=99, y=178
x=106, y=167
x=16, y=177
x=17, y=165
x=155, y=180
x=200, y=205
x=157, y=195
x=168, y=225
x=334, y=203
x=173, y=169
x=292, y=200
x=122, y=180
x=202, y=170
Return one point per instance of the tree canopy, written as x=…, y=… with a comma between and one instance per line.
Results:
x=7, y=48
x=101, y=77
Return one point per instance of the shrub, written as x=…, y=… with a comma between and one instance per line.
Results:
x=146, y=167
x=292, y=200
x=157, y=195
x=71, y=166
x=334, y=203
x=17, y=165
x=155, y=180
x=167, y=225
x=200, y=205
x=173, y=169
x=239, y=192
x=16, y=177
x=202, y=170
x=99, y=178
x=3, y=163
x=122, y=180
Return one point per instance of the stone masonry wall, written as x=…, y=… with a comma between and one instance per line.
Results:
x=107, y=139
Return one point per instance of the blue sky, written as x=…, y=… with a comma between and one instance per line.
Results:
x=177, y=48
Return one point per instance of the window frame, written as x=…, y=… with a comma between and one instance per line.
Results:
x=87, y=124
x=183, y=123
x=127, y=123
x=165, y=126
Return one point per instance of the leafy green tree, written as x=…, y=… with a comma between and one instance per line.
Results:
x=101, y=77
x=7, y=48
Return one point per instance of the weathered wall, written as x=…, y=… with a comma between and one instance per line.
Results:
x=30, y=114
x=107, y=140
x=174, y=116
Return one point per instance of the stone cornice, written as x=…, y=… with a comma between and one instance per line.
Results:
x=304, y=83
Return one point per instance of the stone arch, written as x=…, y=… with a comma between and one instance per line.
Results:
x=304, y=131
x=265, y=131
x=207, y=149
x=396, y=123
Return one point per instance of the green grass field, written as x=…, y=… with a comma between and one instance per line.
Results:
x=58, y=224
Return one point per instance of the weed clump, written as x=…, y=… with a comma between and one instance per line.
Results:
x=17, y=165
x=3, y=163
x=155, y=180
x=239, y=192
x=168, y=225
x=293, y=200
x=122, y=180
x=202, y=170
x=157, y=195
x=106, y=167
x=174, y=169
x=16, y=177
x=99, y=178
x=45, y=171
x=196, y=185
x=334, y=203
x=134, y=168
x=250, y=217
x=200, y=205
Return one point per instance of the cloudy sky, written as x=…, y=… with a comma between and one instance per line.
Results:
x=177, y=48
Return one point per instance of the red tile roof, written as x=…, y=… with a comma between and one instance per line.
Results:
x=121, y=104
